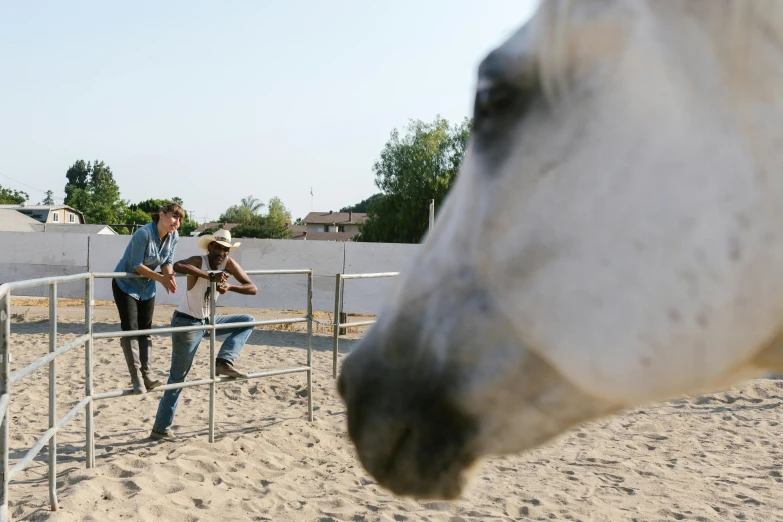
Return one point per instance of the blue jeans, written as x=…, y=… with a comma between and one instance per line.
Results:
x=183, y=350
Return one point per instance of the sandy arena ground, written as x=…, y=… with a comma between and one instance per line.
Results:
x=715, y=457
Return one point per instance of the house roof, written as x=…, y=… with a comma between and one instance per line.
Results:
x=40, y=212
x=75, y=228
x=39, y=207
x=205, y=226
x=32, y=207
x=297, y=231
x=339, y=218
x=13, y=221
x=300, y=233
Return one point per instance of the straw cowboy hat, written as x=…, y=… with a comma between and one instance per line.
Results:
x=222, y=237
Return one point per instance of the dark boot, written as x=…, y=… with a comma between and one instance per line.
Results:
x=130, y=347
x=145, y=354
x=149, y=382
x=226, y=367
x=167, y=434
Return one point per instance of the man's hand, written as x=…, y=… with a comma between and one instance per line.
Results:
x=218, y=277
x=222, y=288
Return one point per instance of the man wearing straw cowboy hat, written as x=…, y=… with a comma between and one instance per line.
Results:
x=195, y=310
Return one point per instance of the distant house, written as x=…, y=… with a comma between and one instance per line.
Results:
x=347, y=222
x=329, y=226
x=299, y=232
x=45, y=218
x=13, y=221
x=207, y=226
x=62, y=214
x=103, y=230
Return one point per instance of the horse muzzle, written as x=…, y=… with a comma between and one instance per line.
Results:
x=408, y=434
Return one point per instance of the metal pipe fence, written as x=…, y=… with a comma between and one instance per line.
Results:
x=338, y=307
x=55, y=424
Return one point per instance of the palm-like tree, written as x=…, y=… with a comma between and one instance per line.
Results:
x=254, y=204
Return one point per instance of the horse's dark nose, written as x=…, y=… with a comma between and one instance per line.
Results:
x=408, y=432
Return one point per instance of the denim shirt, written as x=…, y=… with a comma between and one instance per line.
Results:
x=145, y=249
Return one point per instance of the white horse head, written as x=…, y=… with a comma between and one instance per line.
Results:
x=615, y=237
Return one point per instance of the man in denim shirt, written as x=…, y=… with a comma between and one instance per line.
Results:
x=150, y=247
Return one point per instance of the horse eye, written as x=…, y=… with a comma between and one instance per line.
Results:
x=493, y=100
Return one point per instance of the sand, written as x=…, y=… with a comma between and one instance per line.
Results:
x=714, y=457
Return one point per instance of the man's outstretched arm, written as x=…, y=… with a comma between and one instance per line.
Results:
x=245, y=286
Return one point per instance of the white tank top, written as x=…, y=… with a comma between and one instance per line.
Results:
x=196, y=302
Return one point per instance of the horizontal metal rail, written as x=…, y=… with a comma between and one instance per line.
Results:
x=173, y=329
x=153, y=331
x=201, y=382
x=357, y=323
x=369, y=276
x=268, y=373
x=121, y=275
x=300, y=271
x=129, y=391
x=46, y=359
x=127, y=275
x=48, y=434
x=31, y=283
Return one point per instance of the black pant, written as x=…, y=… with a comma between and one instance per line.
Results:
x=135, y=315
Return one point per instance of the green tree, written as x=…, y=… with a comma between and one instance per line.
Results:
x=12, y=197
x=254, y=204
x=363, y=205
x=412, y=170
x=92, y=189
x=187, y=227
x=250, y=229
x=49, y=200
x=277, y=220
x=237, y=214
x=249, y=224
x=299, y=222
x=152, y=206
x=107, y=205
x=78, y=176
x=136, y=216
x=272, y=225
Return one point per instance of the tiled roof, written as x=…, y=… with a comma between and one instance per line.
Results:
x=74, y=228
x=340, y=218
x=205, y=226
x=300, y=233
x=13, y=221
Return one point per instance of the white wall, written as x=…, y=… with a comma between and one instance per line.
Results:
x=366, y=295
x=33, y=255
